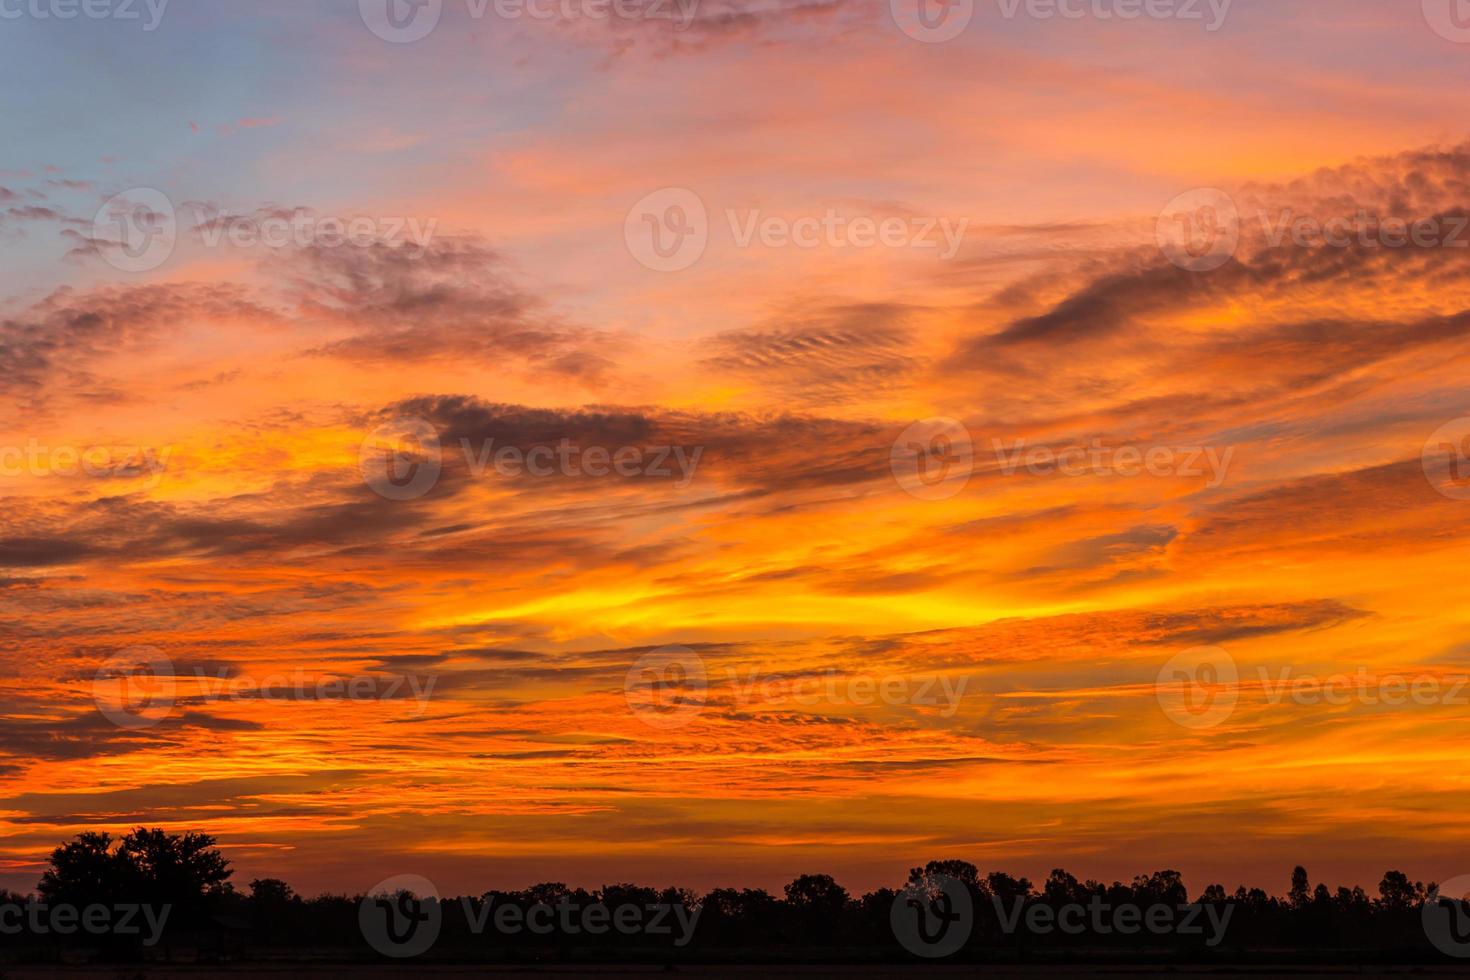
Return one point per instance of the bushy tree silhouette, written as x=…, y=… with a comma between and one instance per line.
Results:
x=818, y=905
x=1398, y=892
x=86, y=870
x=178, y=869
x=185, y=872
x=277, y=913
x=962, y=871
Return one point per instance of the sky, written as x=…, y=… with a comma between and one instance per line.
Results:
x=701, y=443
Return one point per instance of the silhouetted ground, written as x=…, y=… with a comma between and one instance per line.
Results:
x=1008, y=926
x=721, y=972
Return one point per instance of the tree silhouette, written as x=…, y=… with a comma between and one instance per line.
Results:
x=1398, y=892
x=88, y=869
x=272, y=892
x=1060, y=888
x=147, y=867
x=1297, y=895
x=818, y=893
x=816, y=920
x=818, y=904
x=962, y=871
x=178, y=869
x=1161, y=887
x=276, y=911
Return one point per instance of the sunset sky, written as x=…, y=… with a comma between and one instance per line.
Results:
x=231, y=395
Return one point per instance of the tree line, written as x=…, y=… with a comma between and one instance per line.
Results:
x=1003, y=918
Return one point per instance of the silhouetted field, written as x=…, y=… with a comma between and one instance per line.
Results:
x=721, y=972
x=159, y=904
